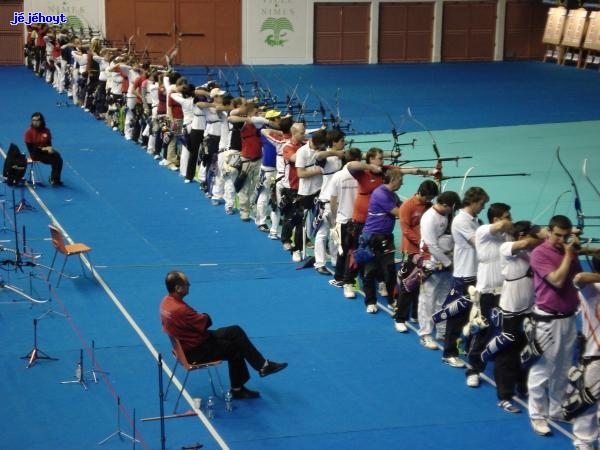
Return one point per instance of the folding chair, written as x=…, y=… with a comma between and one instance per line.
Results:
x=67, y=250
x=180, y=358
x=34, y=174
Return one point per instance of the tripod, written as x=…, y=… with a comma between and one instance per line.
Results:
x=78, y=373
x=23, y=204
x=36, y=353
x=17, y=262
x=95, y=370
x=120, y=433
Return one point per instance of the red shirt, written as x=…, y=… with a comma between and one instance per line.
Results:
x=38, y=137
x=367, y=182
x=251, y=143
x=410, y=218
x=181, y=321
x=288, y=151
x=176, y=111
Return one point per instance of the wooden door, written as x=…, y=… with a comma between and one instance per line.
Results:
x=208, y=32
x=524, y=28
x=11, y=36
x=405, y=32
x=468, y=31
x=341, y=33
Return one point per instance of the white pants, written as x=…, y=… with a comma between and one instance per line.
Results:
x=128, y=129
x=262, y=203
x=432, y=294
x=322, y=241
x=548, y=376
x=585, y=426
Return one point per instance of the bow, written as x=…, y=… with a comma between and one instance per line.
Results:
x=587, y=177
x=438, y=177
x=577, y=201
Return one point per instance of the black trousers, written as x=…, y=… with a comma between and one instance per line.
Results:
x=508, y=371
x=408, y=302
x=195, y=141
x=54, y=159
x=230, y=344
x=455, y=324
x=480, y=340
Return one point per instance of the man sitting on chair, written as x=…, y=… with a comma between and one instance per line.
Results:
x=200, y=344
x=39, y=143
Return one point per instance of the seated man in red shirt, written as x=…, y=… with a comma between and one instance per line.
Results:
x=39, y=143
x=200, y=344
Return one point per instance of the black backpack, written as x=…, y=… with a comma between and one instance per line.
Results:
x=15, y=165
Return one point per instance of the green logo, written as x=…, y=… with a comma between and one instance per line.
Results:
x=277, y=26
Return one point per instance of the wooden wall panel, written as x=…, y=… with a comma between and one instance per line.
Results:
x=468, y=31
x=524, y=28
x=208, y=29
x=405, y=32
x=11, y=36
x=341, y=33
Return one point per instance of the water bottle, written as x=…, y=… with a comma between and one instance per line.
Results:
x=210, y=408
x=228, y=397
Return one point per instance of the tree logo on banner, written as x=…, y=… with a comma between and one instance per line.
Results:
x=278, y=26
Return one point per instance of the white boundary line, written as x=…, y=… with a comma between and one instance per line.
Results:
x=213, y=432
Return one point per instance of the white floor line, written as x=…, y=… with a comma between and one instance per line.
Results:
x=128, y=317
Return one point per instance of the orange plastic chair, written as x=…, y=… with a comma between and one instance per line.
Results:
x=181, y=359
x=67, y=250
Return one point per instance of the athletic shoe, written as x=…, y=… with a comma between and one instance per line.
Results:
x=173, y=167
x=156, y=157
x=508, y=406
x=413, y=320
x=428, y=342
x=473, y=380
x=214, y=202
x=186, y=181
x=540, y=426
x=336, y=283
x=287, y=246
x=263, y=228
x=273, y=236
x=323, y=270
x=382, y=289
x=244, y=393
x=454, y=361
x=271, y=368
x=400, y=327
x=372, y=309
x=229, y=211
x=349, y=291
x=245, y=216
x=296, y=256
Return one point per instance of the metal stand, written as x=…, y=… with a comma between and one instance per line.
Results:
x=120, y=433
x=36, y=353
x=23, y=204
x=95, y=370
x=78, y=373
x=50, y=310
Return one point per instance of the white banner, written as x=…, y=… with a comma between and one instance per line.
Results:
x=78, y=13
x=275, y=32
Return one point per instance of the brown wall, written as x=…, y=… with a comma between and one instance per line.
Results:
x=405, y=32
x=468, y=31
x=525, y=22
x=341, y=33
x=209, y=30
x=11, y=36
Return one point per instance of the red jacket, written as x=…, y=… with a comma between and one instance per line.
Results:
x=181, y=321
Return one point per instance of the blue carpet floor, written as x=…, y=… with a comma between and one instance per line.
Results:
x=353, y=382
